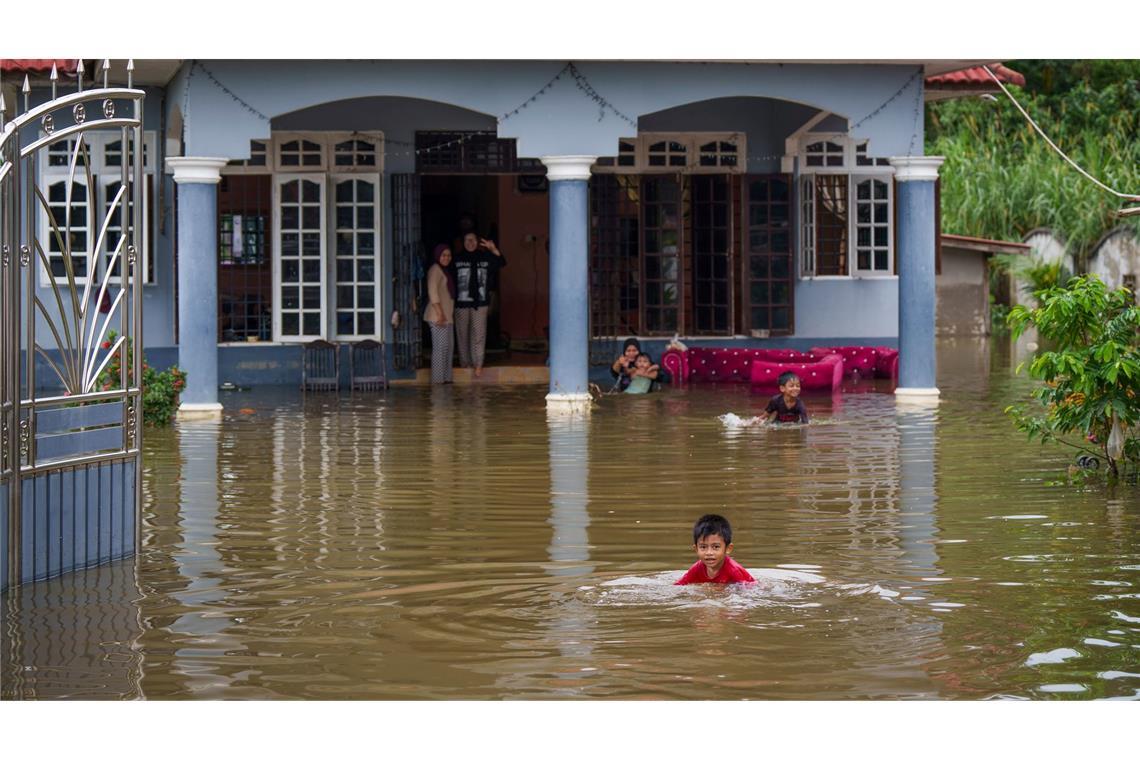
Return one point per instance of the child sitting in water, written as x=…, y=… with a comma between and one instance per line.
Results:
x=786, y=406
x=642, y=375
x=712, y=541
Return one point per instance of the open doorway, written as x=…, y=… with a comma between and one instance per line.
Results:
x=512, y=210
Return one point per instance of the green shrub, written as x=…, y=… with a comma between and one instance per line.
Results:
x=1092, y=378
x=160, y=390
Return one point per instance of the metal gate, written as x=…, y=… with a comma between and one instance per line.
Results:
x=408, y=271
x=70, y=304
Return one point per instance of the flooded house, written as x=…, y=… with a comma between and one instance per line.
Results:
x=757, y=203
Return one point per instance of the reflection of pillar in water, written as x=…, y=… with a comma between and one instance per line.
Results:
x=197, y=559
x=918, y=498
x=569, y=544
x=569, y=470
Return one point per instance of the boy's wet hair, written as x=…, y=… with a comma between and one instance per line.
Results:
x=648, y=358
x=786, y=376
x=712, y=525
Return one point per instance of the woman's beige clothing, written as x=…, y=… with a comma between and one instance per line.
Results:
x=439, y=297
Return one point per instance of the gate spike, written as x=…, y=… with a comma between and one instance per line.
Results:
x=106, y=70
x=54, y=78
x=3, y=109
x=27, y=91
x=79, y=73
x=130, y=72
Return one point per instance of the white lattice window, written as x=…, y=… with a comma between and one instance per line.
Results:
x=356, y=152
x=300, y=152
x=872, y=220
x=101, y=157
x=846, y=208
x=113, y=216
x=672, y=152
x=356, y=215
x=299, y=268
x=824, y=154
x=66, y=226
x=718, y=153
x=807, y=225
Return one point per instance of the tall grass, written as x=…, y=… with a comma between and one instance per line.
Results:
x=1001, y=179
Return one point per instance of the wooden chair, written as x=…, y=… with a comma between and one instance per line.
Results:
x=368, y=366
x=320, y=366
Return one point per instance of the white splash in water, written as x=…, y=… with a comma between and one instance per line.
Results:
x=1102, y=643
x=1051, y=658
x=732, y=421
x=1062, y=688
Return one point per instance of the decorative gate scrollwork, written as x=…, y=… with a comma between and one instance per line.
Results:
x=70, y=303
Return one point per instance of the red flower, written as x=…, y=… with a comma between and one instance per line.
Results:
x=106, y=344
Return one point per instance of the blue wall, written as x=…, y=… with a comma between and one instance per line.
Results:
x=563, y=121
x=75, y=518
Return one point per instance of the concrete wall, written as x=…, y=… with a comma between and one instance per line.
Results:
x=1117, y=256
x=963, y=293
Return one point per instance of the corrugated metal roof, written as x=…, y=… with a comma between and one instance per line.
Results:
x=982, y=244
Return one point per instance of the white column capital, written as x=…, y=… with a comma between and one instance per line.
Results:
x=193, y=169
x=568, y=167
x=916, y=168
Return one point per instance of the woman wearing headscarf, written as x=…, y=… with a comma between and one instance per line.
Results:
x=440, y=313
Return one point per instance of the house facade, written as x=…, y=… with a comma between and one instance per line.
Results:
x=764, y=203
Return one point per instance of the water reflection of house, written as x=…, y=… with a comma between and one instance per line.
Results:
x=721, y=201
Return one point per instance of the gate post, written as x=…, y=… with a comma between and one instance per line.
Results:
x=197, y=180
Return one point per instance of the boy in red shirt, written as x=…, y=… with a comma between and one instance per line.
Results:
x=712, y=541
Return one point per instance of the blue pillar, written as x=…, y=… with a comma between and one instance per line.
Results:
x=915, y=250
x=197, y=180
x=569, y=283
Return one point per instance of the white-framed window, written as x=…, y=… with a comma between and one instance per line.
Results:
x=678, y=152
x=846, y=203
x=328, y=245
x=872, y=222
x=102, y=159
x=325, y=250
x=356, y=236
x=299, y=312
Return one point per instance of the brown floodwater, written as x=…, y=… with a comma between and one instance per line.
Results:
x=459, y=543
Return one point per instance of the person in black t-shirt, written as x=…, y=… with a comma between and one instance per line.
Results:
x=474, y=266
x=786, y=406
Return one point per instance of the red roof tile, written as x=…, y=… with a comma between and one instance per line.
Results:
x=969, y=79
x=36, y=66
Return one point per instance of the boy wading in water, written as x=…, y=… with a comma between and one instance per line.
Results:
x=712, y=541
x=786, y=406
